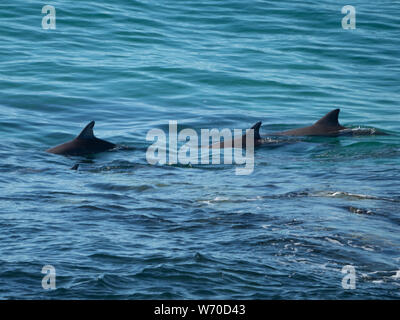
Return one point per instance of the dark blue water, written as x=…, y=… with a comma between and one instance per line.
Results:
x=119, y=227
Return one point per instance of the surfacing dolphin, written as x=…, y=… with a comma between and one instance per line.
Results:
x=328, y=125
x=241, y=141
x=85, y=143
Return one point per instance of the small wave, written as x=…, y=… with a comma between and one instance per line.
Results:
x=361, y=131
x=360, y=210
x=114, y=187
x=382, y=276
x=349, y=196
x=91, y=208
x=228, y=200
x=107, y=258
x=333, y=241
x=328, y=194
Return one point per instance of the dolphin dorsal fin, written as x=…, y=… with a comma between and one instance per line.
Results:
x=256, y=129
x=87, y=132
x=331, y=119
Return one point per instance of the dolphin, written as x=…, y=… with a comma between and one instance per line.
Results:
x=240, y=141
x=85, y=143
x=328, y=125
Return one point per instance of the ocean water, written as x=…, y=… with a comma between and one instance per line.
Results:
x=120, y=228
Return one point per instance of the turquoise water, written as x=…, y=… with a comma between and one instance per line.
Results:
x=121, y=228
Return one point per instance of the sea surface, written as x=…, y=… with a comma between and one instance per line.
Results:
x=121, y=228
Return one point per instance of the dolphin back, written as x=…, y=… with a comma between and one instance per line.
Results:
x=85, y=143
